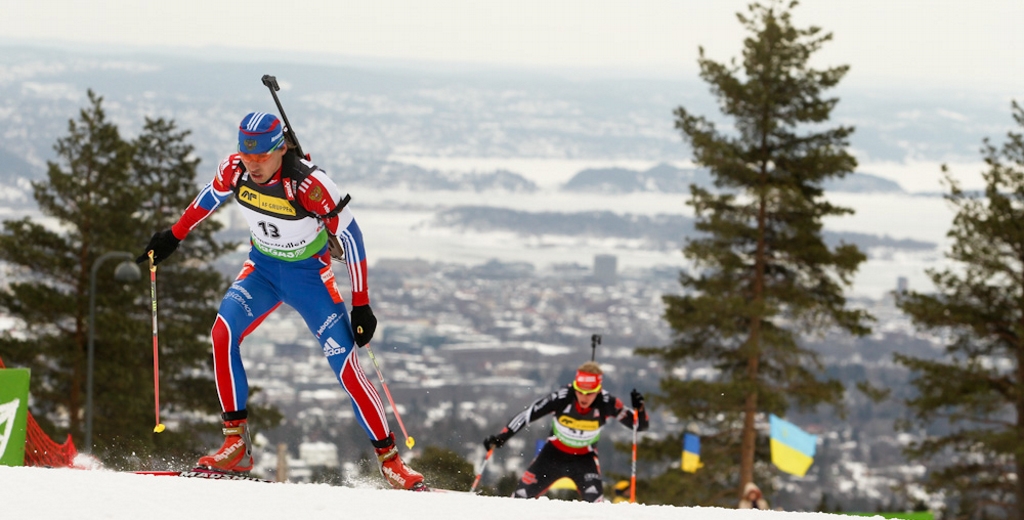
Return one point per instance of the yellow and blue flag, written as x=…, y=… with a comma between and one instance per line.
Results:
x=792, y=448
x=691, y=453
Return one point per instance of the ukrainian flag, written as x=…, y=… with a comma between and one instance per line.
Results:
x=691, y=453
x=792, y=448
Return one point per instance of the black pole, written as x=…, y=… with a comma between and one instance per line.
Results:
x=271, y=83
x=90, y=363
x=595, y=340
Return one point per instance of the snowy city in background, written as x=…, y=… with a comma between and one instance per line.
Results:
x=481, y=310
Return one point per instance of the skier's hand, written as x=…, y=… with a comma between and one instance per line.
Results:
x=638, y=400
x=495, y=441
x=364, y=323
x=162, y=245
x=334, y=247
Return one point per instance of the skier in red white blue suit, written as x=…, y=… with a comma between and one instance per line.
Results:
x=580, y=410
x=294, y=210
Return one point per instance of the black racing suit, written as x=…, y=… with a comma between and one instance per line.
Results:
x=571, y=450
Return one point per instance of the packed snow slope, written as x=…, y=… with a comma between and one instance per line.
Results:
x=44, y=494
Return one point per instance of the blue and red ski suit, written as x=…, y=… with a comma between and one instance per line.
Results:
x=289, y=219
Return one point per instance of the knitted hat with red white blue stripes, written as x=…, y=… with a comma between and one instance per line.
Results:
x=260, y=132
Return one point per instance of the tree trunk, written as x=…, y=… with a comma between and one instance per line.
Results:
x=749, y=442
x=1018, y=457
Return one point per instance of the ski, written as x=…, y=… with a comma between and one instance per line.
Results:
x=439, y=490
x=212, y=474
x=207, y=473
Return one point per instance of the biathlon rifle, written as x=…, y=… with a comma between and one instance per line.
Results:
x=337, y=252
x=289, y=133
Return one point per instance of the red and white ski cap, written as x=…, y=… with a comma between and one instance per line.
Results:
x=587, y=383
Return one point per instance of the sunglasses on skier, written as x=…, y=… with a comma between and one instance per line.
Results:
x=586, y=383
x=259, y=157
x=584, y=392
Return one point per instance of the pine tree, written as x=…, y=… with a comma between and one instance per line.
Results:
x=765, y=274
x=50, y=298
x=973, y=396
x=100, y=196
x=164, y=169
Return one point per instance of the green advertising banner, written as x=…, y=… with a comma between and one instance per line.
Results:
x=13, y=415
x=916, y=515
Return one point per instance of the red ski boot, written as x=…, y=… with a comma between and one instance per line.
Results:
x=395, y=471
x=236, y=453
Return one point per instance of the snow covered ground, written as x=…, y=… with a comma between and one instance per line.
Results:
x=45, y=494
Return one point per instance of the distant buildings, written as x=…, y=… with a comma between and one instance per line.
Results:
x=411, y=267
x=319, y=454
x=901, y=285
x=605, y=267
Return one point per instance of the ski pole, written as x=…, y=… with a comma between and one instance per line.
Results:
x=632, y=478
x=483, y=466
x=595, y=340
x=156, y=350
x=409, y=441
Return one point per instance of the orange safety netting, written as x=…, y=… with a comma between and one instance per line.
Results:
x=41, y=450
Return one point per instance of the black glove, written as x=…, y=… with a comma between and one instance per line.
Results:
x=495, y=441
x=363, y=324
x=638, y=400
x=162, y=245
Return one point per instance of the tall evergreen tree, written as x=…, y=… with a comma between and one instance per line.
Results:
x=973, y=396
x=765, y=274
x=164, y=169
x=50, y=299
x=101, y=196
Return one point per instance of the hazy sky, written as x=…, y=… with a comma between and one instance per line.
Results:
x=927, y=43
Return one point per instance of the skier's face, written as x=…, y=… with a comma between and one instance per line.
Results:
x=263, y=166
x=586, y=400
